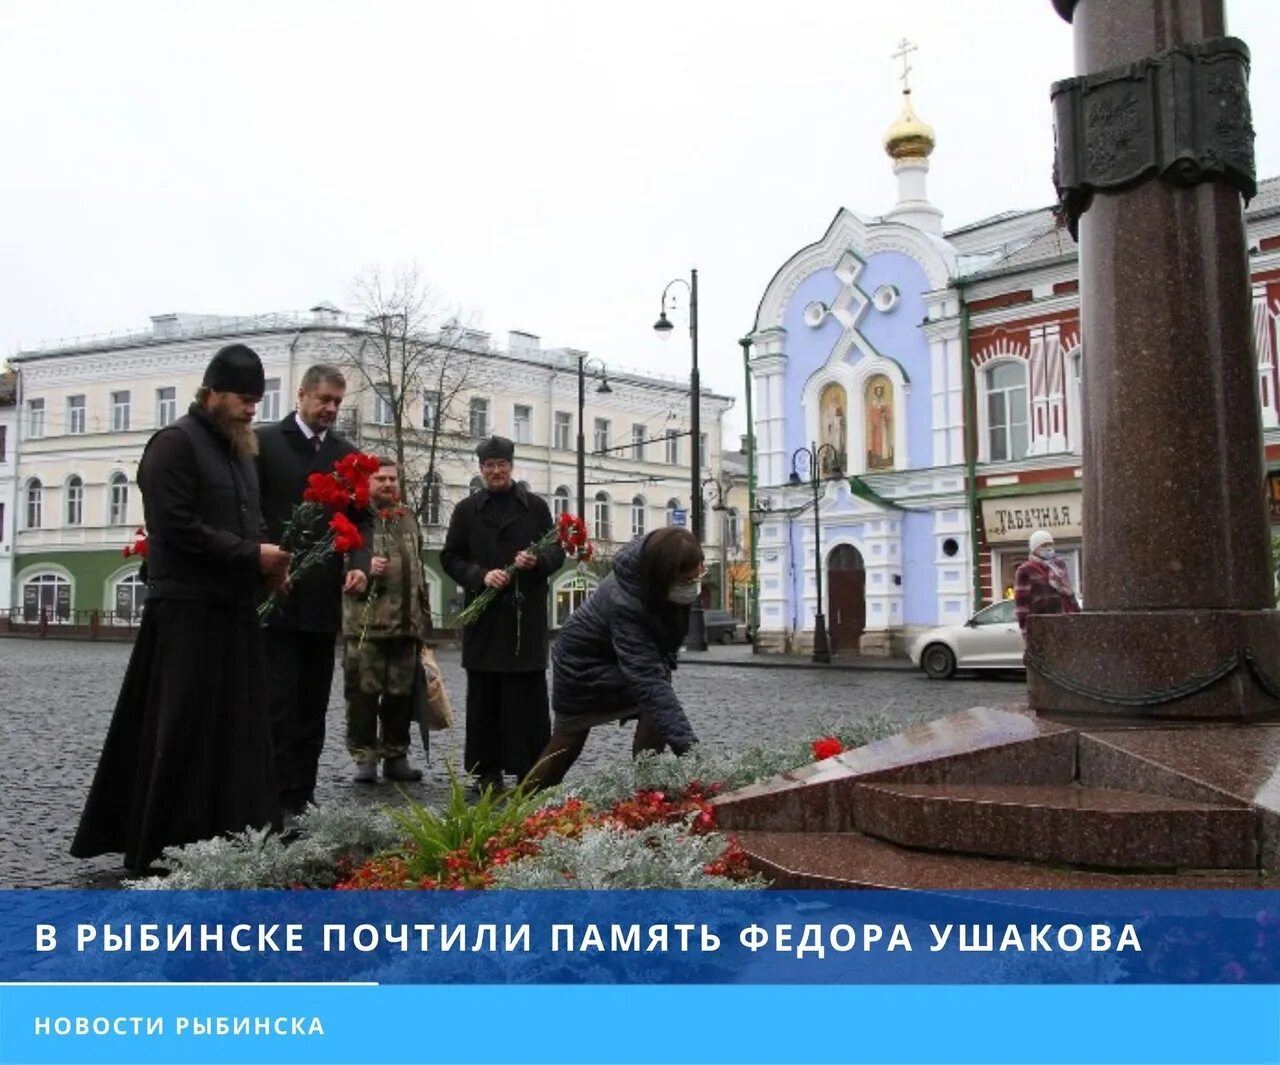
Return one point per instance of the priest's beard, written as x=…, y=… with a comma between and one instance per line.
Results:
x=244, y=441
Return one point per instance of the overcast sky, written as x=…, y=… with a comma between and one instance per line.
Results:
x=549, y=166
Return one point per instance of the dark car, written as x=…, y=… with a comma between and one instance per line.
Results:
x=722, y=627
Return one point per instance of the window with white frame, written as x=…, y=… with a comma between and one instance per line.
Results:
x=35, y=503
x=46, y=595
x=384, y=404
x=75, y=500
x=75, y=415
x=522, y=424
x=604, y=517
x=638, y=433
x=560, y=502
x=479, y=420
x=166, y=406
x=269, y=408
x=4, y=442
x=118, y=504
x=732, y=528
x=430, y=409
x=570, y=594
x=35, y=418
x=673, y=448
x=672, y=506
x=1007, y=412
x=435, y=499
x=702, y=449
x=638, y=517
x=130, y=593
x=119, y=412
x=600, y=436
x=563, y=430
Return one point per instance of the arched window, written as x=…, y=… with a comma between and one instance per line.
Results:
x=35, y=503
x=560, y=502
x=435, y=493
x=47, y=595
x=118, y=490
x=604, y=523
x=673, y=505
x=129, y=595
x=638, y=522
x=570, y=594
x=75, y=500
x=476, y=485
x=1007, y=411
x=732, y=528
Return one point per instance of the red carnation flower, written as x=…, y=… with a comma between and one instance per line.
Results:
x=827, y=747
x=346, y=537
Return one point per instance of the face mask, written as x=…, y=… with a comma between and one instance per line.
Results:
x=1048, y=554
x=685, y=593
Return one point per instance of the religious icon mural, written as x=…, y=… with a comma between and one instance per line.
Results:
x=833, y=424
x=879, y=403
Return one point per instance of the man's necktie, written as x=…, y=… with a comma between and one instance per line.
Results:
x=315, y=443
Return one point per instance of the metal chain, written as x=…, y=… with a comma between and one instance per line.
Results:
x=1154, y=697
x=1265, y=681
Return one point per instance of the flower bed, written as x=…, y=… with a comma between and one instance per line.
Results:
x=643, y=823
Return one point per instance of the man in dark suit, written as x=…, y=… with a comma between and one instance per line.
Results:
x=301, y=632
x=505, y=651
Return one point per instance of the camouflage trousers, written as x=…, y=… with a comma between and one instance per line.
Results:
x=378, y=684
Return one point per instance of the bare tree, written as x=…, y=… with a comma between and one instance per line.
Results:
x=419, y=361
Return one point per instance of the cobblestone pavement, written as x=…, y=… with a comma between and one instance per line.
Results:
x=56, y=699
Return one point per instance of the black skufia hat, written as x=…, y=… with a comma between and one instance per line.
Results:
x=496, y=449
x=235, y=368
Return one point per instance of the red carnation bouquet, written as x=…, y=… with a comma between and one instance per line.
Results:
x=137, y=549
x=347, y=485
x=569, y=532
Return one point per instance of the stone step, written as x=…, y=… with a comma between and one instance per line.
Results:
x=1066, y=824
x=982, y=745
x=838, y=860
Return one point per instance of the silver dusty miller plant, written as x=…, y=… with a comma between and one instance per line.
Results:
x=256, y=858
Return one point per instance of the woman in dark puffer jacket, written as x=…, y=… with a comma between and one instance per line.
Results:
x=613, y=659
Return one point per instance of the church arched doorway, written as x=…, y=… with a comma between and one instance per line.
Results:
x=847, y=592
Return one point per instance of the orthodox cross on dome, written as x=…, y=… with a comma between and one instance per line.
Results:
x=905, y=48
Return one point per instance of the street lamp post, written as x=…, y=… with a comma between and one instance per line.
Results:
x=697, y=638
x=753, y=619
x=817, y=457
x=722, y=485
x=604, y=389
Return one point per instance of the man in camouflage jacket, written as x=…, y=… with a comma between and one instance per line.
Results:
x=384, y=629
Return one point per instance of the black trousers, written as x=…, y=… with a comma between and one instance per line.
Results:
x=299, y=679
x=508, y=722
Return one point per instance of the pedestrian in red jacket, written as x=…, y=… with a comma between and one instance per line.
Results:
x=1042, y=584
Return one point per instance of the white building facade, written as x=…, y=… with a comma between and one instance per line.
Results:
x=84, y=413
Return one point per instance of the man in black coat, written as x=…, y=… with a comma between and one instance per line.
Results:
x=188, y=754
x=300, y=634
x=505, y=651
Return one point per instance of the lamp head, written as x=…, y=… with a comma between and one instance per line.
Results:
x=663, y=326
x=603, y=387
x=794, y=478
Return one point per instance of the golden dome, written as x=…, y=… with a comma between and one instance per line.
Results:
x=909, y=138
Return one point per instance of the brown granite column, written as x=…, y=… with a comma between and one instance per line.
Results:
x=1176, y=538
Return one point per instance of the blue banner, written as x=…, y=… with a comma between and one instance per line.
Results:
x=567, y=937
x=406, y=977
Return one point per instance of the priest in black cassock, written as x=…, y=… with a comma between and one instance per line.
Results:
x=188, y=753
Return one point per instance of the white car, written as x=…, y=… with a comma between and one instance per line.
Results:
x=990, y=639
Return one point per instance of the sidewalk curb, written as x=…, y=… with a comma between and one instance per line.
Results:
x=781, y=662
